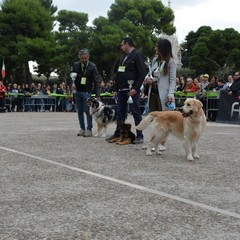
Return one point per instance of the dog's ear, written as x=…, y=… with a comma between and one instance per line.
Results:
x=198, y=105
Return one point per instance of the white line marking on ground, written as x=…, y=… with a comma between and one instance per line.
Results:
x=142, y=188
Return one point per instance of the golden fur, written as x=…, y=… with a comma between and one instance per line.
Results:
x=186, y=126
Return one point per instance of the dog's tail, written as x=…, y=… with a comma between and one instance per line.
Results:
x=147, y=120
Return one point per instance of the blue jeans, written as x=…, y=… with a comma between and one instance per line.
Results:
x=81, y=106
x=122, y=107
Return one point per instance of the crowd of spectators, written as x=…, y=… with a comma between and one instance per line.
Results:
x=21, y=94
x=205, y=83
x=18, y=97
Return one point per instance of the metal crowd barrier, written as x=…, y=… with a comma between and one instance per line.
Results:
x=209, y=99
x=109, y=101
x=41, y=101
x=28, y=102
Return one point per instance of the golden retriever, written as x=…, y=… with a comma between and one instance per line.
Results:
x=186, y=126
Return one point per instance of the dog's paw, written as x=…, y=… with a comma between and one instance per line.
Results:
x=190, y=158
x=196, y=156
x=158, y=152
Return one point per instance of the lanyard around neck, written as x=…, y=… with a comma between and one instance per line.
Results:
x=84, y=68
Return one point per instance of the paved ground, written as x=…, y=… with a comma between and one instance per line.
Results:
x=55, y=185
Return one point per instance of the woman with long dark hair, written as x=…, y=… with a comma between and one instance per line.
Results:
x=161, y=82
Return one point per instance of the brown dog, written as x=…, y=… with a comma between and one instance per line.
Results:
x=126, y=135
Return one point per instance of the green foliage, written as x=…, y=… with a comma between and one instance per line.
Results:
x=72, y=35
x=70, y=21
x=26, y=33
x=24, y=24
x=213, y=51
x=186, y=72
x=143, y=20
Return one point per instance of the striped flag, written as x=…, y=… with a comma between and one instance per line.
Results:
x=3, y=70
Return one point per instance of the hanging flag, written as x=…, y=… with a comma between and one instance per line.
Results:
x=3, y=70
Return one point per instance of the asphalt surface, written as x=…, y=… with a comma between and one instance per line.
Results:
x=55, y=185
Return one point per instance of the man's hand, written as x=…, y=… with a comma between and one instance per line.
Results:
x=73, y=87
x=149, y=80
x=170, y=99
x=132, y=92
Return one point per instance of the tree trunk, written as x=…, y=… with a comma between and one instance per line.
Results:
x=27, y=74
x=112, y=74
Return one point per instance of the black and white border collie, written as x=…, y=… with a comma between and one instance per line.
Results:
x=102, y=114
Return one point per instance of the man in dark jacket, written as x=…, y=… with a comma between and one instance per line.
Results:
x=132, y=67
x=87, y=81
x=235, y=87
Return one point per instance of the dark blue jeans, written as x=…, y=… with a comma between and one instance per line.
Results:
x=81, y=106
x=122, y=107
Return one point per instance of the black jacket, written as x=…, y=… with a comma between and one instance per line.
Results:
x=93, y=78
x=135, y=69
x=235, y=87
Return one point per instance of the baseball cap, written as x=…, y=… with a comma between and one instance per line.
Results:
x=206, y=75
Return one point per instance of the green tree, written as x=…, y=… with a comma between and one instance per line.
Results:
x=213, y=51
x=25, y=28
x=143, y=20
x=72, y=35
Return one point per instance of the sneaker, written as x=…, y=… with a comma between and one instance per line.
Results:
x=81, y=132
x=88, y=133
x=138, y=141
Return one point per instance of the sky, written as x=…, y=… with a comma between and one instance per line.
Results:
x=189, y=14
